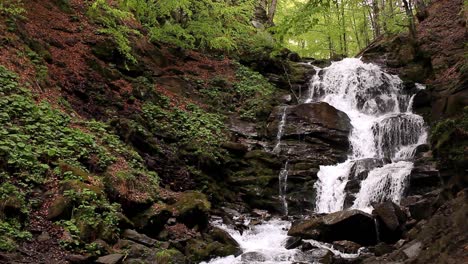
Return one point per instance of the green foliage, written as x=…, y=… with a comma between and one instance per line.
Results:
x=92, y=217
x=253, y=90
x=35, y=143
x=12, y=9
x=250, y=95
x=10, y=232
x=330, y=28
x=449, y=140
x=192, y=127
x=113, y=20
x=204, y=24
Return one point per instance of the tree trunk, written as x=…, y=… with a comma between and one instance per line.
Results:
x=409, y=14
x=272, y=11
x=376, y=18
x=343, y=29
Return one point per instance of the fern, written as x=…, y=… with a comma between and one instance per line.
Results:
x=113, y=21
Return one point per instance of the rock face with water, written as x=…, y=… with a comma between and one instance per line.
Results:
x=311, y=134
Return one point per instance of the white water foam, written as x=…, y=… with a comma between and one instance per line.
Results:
x=374, y=101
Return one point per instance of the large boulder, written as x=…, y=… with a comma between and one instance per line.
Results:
x=391, y=219
x=352, y=225
x=189, y=208
x=315, y=120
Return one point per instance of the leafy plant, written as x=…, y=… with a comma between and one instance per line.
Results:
x=114, y=22
x=92, y=216
x=192, y=127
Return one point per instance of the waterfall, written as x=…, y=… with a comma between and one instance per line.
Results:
x=280, y=133
x=283, y=187
x=283, y=175
x=383, y=128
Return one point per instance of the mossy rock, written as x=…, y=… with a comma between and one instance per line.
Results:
x=152, y=220
x=197, y=250
x=170, y=256
x=192, y=208
x=79, y=186
x=134, y=191
x=61, y=208
x=225, y=238
x=92, y=229
x=263, y=156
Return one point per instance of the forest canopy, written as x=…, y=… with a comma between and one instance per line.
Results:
x=312, y=28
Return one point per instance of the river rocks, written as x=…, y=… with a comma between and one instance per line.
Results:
x=424, y=177
x=243, y=128
x=352, y=225
x=225, y=238
x=391, y=220
x=256, y=180
x=139, y=238
x=345, y=246
x=110, y=259
x=293, y=242
x=317, y=255
x=199, y=250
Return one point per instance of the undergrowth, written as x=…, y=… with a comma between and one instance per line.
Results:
x=39, y=144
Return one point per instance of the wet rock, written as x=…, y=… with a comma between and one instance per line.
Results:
x=314, y=119
x=419, y=207
x=253, y=257
x=261, y=213
x=352, y=225
x=243, y=128
x=318, y=255
x=169, y=256
x=198, y=250
x=225, y=238
x=382, y=249
x=192, y=209
x=110, y=259
x=345, y=246
x=293, y=242
x=391, y=220
x=424, y=177
x=236, y=148
x=139, y=238
x=307, y=246
x=359, y=172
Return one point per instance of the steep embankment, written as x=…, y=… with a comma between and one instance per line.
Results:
x=94, y=145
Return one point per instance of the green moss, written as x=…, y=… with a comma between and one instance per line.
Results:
x=192, y=128
x=449, y=141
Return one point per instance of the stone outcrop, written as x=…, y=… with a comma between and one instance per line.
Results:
x=313, y=134
x=352, y=225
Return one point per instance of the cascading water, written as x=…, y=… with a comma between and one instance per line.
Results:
x=383, y=128
x=283, y=187
x=283, y=175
